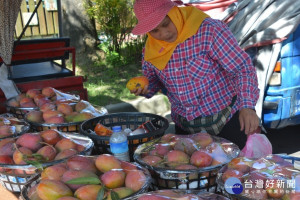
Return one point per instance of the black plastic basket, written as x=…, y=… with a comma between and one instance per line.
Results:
x=221, y=187
x=169, y=193
x=130, y=120
x=203, y=179
x=18, y=111
x=64, y=127
x=15, y=181
x=36, y=179
x=24, y=129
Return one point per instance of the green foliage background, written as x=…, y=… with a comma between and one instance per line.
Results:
x=121, y=52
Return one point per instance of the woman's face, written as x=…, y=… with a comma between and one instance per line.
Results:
x=165, y=31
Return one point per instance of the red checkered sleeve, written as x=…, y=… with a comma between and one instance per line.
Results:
x=236, y=62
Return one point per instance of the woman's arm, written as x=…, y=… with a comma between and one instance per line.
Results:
x=226, y=51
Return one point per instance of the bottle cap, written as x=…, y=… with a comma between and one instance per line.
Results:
x=116, y=128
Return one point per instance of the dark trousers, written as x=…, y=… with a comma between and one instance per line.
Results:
x=231, y=131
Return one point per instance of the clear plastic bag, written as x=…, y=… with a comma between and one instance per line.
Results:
x=257, y=145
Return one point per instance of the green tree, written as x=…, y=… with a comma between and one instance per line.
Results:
x=115, y=18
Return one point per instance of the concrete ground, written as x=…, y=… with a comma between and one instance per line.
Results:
x=7, y=195
x=159, y=105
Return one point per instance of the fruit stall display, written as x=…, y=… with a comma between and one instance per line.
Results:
x=142, y=127
x=87, y=178
x=179, y=194
x=26, y=155
x=11, y=126
x=269, y=177
x=185, y=161
x=49, y=108
x=34, y=99
x=65, y=116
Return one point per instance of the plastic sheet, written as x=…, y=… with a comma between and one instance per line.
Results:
x=270, y=177
x=185, y=161
x=257, y=146
x=11, y=126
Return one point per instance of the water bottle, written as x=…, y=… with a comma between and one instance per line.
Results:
x=118, y=144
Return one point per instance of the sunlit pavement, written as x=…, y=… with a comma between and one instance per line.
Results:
x=7, y=195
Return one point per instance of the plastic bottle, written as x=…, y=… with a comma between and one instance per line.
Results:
x=118, y=144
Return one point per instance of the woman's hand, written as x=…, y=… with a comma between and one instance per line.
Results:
x=140, y=91
x=248, y=120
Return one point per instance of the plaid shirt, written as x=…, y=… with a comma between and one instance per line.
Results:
x=204, y=73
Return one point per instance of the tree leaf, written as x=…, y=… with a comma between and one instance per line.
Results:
x=39, y=157
x=114, y=195
x=84, y=180
x=100, y=195
x=35, y=163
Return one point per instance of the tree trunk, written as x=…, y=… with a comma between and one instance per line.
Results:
x=81, y=30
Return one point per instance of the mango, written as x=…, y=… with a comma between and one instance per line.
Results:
x=50, y=136
x=82, y=117
x=35, y=116
x=65, y=144
x=31, y=141
x=87, y=192
x=47, y=106
x=64, y=108
x=102, y=130
x=81, y=105
x=32, y=194
x=82, y=163
x=54, y=172
x=31, y=93
x=48, y=91
x=73, y=174
x=201, y=159
x=135, y=180
x=107, y=162
x=70, y=117
x=7, y=146
x=175, y=158
x=68, y=198
x=48, y=152
x=137, y=82
x=5, y=159
x=52, y=190
x=113, y=179
x=19, y=155
x=121, y=191
x=65, y=154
